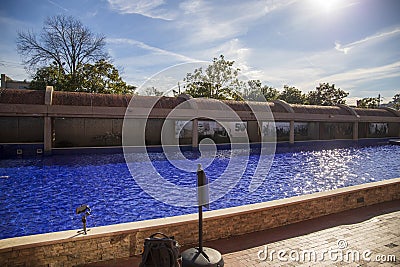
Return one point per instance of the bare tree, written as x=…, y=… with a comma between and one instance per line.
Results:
x=63, y=41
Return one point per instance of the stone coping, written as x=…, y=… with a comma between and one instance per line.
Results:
x=110, y=230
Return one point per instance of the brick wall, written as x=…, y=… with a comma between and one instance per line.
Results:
x=125, y=240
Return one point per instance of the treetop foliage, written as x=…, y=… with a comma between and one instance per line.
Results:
x=63, y=40
x=68, y=56
x=220, y=80
x=327, y=95
x=368, y=102
x=395, y=103
x=292, y=95
x=255, y=91
x=100, y=77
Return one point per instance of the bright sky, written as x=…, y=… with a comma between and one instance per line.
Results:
x=352, y=43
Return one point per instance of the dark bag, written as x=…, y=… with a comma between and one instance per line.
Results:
x=160, y=252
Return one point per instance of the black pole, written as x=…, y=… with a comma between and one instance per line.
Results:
x=201, y=181
x=202, y=256
x=200, y=228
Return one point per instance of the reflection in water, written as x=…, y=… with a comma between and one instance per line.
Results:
x=40, y=195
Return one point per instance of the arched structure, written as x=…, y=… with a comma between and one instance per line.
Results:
x=62, y=119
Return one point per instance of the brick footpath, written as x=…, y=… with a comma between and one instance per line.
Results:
x=376, y=240
x=375, y=228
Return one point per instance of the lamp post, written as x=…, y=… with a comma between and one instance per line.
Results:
x=202, y=256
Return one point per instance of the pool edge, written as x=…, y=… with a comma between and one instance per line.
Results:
x=124, y=240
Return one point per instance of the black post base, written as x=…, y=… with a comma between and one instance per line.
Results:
x=209, y=257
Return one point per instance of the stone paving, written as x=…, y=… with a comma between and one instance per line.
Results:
x=374, y=242
x=337, y=240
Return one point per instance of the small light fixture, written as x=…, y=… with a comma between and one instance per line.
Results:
x=85, y=209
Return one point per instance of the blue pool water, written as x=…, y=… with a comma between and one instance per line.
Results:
x=39, y=195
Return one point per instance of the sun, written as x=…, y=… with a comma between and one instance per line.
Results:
x=326, y=6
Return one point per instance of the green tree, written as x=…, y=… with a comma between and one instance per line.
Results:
x=100, y=77
x=153, y=91
x=327, y=95
x=219, y=80
x=255, y=91
x=368, y=102
x=292, y=95
x=103, y=77
x=68, y=56
x=51, y=75
x=395, y=103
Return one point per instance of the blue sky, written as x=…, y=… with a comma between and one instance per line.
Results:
x=352, y=43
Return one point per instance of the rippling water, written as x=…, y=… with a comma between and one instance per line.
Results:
x=40, y=195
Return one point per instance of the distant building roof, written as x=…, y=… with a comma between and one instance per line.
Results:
x=7, y=82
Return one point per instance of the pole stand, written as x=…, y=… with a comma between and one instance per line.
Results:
x=201, y=256
x=209, y=257
x=84, y=224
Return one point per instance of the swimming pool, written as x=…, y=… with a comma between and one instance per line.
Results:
x=39, y=195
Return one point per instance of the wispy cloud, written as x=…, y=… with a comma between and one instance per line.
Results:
x=346, y=48
x=212, y=21
x=57, y=5
x=148, y=8
x=155, y=50
x=366, y=74
x=352, y=80
x=233, y=49
x=92, y=13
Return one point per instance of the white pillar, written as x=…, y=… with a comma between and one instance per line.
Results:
x=291, y=133
x=195, y=133
x=355, y=130
x=48, y=125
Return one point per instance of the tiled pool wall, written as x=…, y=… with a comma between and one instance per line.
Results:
x=36, y=149
x=69, y=248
